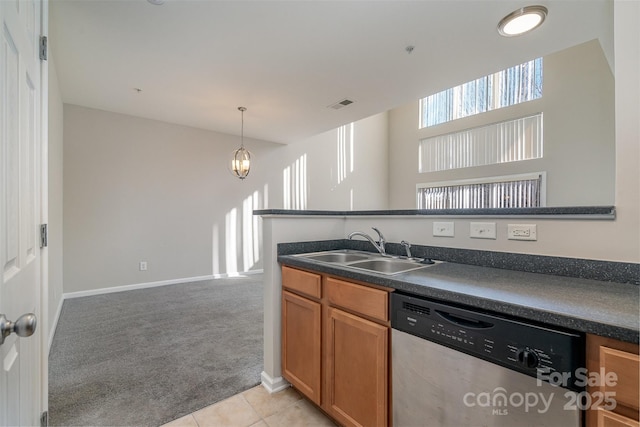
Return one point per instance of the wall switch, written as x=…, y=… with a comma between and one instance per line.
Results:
x=521, y=232
x=482, y=230
x=443, y=229
x=143, y=265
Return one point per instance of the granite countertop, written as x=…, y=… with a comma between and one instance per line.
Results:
x=594, y=212
x=607, y=309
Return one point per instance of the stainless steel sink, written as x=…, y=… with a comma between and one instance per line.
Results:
x=338, y=257
x=368, y=261
x=388, y=265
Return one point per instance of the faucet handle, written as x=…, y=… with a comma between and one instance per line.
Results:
x=381, y=237
x=407, y=247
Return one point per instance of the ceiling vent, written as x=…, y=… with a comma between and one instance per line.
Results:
x=340, y=104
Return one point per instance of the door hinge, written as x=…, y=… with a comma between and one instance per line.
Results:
x=43, y=235
x=44, y=419
x=43, y=48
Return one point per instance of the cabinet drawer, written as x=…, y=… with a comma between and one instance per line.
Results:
x=302, y=281
x=626, y=366
x=610, y=419
x=358, y=298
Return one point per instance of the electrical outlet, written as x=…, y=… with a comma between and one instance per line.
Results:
x=522, y=232
x=482, y=230
x=143, y=265
x=443, y=229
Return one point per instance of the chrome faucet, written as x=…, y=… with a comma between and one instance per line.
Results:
x=378, y=245
x=407, y=247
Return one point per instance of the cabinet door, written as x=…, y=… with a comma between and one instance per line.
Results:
x=610, y=419
x=357, y=370
x=301, y=344
x=605, y=357
x=626, y=366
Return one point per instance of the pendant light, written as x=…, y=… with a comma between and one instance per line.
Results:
x=241, y=158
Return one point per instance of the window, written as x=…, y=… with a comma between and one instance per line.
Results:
x=512, y=86
x=510, y=141
x=515, y=191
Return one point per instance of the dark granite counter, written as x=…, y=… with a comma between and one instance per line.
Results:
x=607, y=309
x=571, y=212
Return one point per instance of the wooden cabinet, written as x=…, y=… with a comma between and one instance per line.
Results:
x=606, y=356
x=611, y=419
x=304, y=282
x=335, y=345
x=301, y=344
x=357, y=369
x=359, y=299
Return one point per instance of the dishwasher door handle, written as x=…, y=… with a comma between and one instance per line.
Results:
x=463, y=321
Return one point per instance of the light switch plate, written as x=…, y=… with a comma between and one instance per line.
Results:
x=443, y=229
x=482, y=230
x=522, y=232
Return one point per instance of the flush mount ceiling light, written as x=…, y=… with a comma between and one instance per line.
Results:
x=156, y=2
x=241, y=158
x=522, y=21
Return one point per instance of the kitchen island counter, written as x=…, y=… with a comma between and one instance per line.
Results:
x=607, y=309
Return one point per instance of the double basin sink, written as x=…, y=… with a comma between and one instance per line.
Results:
x=368, y=261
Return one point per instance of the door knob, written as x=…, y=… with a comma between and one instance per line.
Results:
x=25, y=326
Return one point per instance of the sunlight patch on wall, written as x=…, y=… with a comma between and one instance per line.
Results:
x=242, y=240
x=230, y=223
x=265, y=197
x=256, y=230
x=250, y=231
x=215, y=254
x=294, y=184
x=344, y=148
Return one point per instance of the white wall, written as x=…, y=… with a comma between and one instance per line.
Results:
x=617, y=240
x=55, y=169
x=346, y=169
x=142, y=190
x=579, y=137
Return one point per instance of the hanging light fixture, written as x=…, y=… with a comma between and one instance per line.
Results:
x=241, y=158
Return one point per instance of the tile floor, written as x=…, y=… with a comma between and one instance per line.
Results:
x=257, y=408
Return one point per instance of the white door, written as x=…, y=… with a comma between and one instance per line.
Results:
x=21, y=372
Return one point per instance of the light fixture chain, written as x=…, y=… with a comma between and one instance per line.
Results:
x=242, y=110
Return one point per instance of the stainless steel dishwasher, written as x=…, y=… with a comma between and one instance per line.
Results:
x=454, y=366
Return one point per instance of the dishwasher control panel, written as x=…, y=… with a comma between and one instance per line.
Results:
x=533, y=349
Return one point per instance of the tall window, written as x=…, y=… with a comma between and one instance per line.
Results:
x=512, y=86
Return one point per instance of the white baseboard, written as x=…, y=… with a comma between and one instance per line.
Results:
x=78, y=294
x=273, y=385
x=54, y=325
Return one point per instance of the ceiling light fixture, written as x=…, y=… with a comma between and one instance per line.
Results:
x=522, y=21
x=156, y=2
x=241, y=158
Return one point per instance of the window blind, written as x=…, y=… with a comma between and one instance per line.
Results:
x=498, y=193
x=510, y=141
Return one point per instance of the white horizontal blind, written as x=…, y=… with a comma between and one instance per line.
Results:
x=520, y=193
x=512, y=86
x=510, y=141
